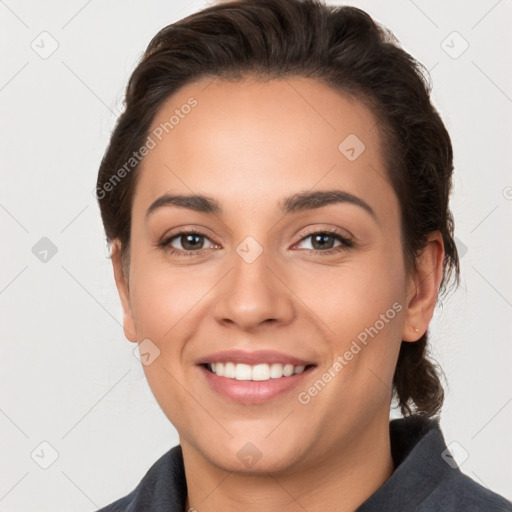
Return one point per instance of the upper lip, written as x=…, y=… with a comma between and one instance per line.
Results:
x=253, y=357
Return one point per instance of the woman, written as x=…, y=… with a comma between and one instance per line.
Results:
x=276, y=199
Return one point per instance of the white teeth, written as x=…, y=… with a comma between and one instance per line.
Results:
x=229, y=370
x=258, y=372
x=288, y=370
x=261, y=372
x=243, y=372
x=276, y=371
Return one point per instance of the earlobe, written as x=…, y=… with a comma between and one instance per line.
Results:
x=423, y=288
x=123, y=290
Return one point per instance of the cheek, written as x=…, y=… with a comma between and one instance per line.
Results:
x=360, y=308
x=164, y=302
x=346, y=299
x=163, y=297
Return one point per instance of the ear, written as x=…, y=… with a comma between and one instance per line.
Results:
x=423, y=287
x=123, y=290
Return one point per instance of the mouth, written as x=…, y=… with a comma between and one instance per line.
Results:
x=253, y=378
x=259, y=372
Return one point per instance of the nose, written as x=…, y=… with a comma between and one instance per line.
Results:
x=254, y=293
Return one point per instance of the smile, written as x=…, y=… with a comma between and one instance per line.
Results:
x=258, y=372
x=252, y=384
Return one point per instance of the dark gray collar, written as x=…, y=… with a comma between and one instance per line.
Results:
x=417, y=446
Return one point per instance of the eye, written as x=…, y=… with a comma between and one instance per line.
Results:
x=185, y=243
x=323, y=241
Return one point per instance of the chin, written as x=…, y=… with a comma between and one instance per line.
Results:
x=261, y=456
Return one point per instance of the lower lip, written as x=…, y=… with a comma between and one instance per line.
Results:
x=250, y=391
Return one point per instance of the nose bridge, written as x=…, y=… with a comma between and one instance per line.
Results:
x=252, y=293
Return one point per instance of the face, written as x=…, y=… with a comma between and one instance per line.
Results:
x=292, y=263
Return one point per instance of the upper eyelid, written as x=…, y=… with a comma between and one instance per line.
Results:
x=329, y=231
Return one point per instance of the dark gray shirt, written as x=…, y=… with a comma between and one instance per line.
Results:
x=426, y=479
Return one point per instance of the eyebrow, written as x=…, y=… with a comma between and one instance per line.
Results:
x=296, y=203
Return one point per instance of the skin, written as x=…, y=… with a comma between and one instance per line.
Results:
x=249, y=145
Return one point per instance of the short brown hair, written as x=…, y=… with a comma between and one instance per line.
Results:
x=342, y=47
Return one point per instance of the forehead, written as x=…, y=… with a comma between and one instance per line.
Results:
x=253, y=140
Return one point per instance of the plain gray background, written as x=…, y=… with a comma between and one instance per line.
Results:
x=69, y=378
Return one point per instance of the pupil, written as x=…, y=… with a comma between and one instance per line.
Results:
x=322, y=238
x=188, y=239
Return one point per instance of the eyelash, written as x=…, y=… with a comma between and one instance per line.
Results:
x=346, y=243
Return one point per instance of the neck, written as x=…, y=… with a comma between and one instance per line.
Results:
x=342, y=480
